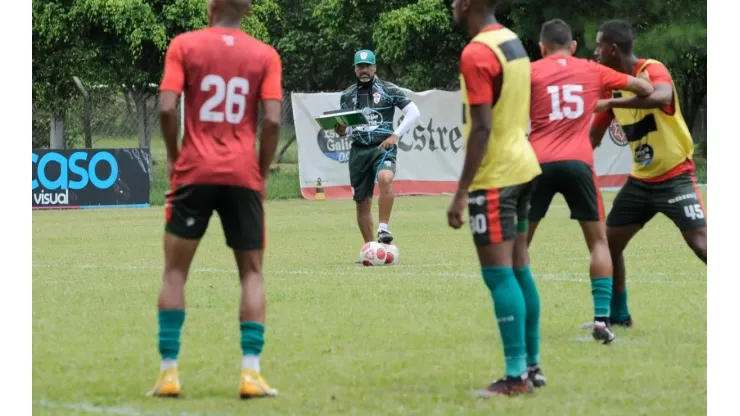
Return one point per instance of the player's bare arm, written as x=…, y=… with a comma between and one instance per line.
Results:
x=662, y=96
x=480, y=132
x=169, y=120
x=641, y=87
x=269, y=135
x=597, y=135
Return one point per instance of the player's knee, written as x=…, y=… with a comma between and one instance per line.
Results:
x=385, y=178
x=698, y=242
x=363, y=207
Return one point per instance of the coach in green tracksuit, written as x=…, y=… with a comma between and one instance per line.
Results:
x=374, y=146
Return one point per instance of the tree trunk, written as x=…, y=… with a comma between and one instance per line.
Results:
x=56, y=141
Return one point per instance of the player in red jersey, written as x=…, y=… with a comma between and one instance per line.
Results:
x=565, y=91
x=225, y=74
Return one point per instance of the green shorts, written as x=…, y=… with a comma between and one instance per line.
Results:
x=573, y=179
x=678, y=198
x=365, y=162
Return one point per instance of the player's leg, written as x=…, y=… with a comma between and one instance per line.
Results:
x=544, y=188
x=187, y=213
x=493, y=222
x=631, y=210
x=526, y=282
x=385, y=166
x=243, y=222
x=680, y=199
x=580, y=188
x=361, y=180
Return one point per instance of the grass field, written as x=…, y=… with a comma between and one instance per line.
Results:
x=411, y=339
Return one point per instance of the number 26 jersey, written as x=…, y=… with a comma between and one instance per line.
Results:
x=224, y=74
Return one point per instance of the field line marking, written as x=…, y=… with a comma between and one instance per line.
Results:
x=111, y=410
x=557, y=277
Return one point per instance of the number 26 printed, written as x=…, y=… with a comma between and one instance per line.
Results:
x=234, y=91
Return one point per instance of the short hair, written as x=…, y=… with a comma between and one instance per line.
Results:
x=618, y=32
x=556, y=33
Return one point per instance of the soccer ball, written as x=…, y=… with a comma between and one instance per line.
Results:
x=373, y=254
x=391, y=256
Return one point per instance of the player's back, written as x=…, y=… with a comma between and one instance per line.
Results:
x=224, y=74
x=564, y=94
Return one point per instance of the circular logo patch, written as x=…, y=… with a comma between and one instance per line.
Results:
x=617, y=134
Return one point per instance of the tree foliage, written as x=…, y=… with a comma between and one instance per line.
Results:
x=122, y=42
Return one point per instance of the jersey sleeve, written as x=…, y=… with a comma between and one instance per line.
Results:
x=173, y=78
x=400, y=99
x=272, y=83
x=659, y=74
x=603, y=120
x=479, y=67
x=611, y=79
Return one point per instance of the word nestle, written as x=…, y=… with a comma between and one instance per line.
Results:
x=432, y=138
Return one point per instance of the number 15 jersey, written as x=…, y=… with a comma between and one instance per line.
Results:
x=564, y=93
x=224, y=74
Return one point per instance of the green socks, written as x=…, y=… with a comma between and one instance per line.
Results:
x=170, y=324
x=601, y=290
x=508, y=304
x=253, y=337
x=619, y=311
x=532, y=304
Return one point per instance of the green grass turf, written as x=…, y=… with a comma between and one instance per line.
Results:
x=346, y=340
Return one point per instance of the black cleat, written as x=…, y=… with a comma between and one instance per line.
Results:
x=535, y=374
x=603, y=332
x=625, y=323
x=385, y=237
x=507, y=386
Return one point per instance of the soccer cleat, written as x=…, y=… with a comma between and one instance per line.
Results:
x=385, y=237
x=535, y=374
x=252, y=385
x=626, y=323
x=167, y=385
x=603, y=332
x=507, y=386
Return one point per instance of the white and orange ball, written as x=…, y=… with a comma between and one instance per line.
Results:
x=373, y=254
x=392, y=253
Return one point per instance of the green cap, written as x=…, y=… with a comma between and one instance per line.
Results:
x=365, y=57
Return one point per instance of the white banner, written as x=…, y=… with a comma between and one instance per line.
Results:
x=430, y=155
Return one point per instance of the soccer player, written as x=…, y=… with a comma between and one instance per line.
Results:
x=495, y=184
x=662, y=179
x=372, y=157
x=225, y=74
x=565, y=91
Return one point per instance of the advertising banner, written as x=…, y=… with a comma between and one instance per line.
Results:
x=90, y=178
x=430, y=155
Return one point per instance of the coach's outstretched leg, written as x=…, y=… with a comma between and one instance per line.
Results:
x=385, y=205
x=178, y=255
x=252, y=324
x=365, y=219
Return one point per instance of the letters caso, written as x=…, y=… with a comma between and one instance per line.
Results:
x=75, y=172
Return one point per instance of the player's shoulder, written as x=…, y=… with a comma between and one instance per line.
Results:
x=475, y=50
x=349, y=90
x=653, y=63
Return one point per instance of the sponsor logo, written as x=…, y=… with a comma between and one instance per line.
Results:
x=477, y=200
x=644, y=154
x=682, y=198
x=55, y=174
x=432, y=137
x=616, y=133
x=334, y=146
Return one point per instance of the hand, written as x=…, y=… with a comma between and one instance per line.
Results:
x=340, y=129
x=457, y=209
x=644, y=75
x=389, y=142
x=603, y=105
